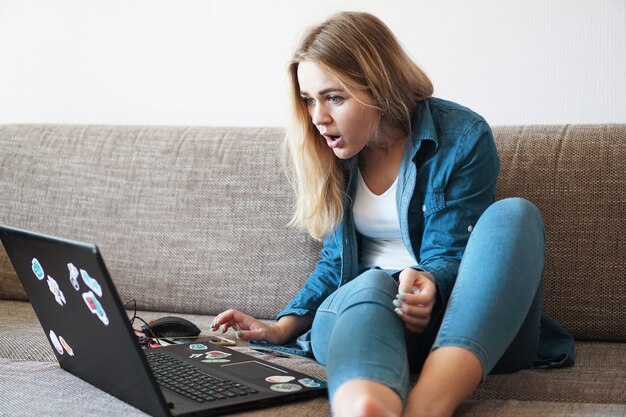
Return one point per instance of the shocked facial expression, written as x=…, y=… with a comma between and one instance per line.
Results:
x=348, y=121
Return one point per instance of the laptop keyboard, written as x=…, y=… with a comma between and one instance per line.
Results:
x=185, y=379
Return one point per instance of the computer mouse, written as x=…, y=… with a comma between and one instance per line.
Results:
x=170, y=326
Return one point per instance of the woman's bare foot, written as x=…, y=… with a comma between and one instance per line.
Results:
x=363, y=398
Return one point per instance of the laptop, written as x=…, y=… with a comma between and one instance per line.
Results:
x=89, y=331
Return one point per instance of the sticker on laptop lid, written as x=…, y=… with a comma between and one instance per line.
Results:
x=67, y=347
x=73, y=276
x=56, y=342
x=95, y=307
x=56, y=291
x=91, y=282
x=285, y=387
x=37, y=269
x=215, y=360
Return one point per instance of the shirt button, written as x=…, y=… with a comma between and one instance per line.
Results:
x=424, y=207
x=470, y=228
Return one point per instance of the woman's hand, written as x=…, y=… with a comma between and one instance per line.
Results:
x=247, y=327
x=416, y=299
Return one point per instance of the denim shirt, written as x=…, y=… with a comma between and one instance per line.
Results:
x=447, y=178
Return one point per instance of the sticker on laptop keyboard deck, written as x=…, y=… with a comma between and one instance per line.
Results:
x=215, y=360
x=198, y=346
x=285, y=387
x=279, y=379
x=309, y=383
x=216, y=354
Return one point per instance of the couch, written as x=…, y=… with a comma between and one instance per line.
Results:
x=192, y=221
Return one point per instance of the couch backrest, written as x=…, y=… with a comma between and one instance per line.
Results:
x=576, y=175
x=193, y=219
x=187, y=220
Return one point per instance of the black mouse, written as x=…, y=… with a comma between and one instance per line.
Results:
x=170, y=326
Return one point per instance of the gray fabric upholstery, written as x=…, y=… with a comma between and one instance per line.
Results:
x=192, y=221
x=512, y=408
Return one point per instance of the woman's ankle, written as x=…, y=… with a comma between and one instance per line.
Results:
x=448, y=377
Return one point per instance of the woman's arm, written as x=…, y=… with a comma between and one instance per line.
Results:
x=324, y=279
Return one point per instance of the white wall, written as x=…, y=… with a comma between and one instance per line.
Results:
x=219, y=62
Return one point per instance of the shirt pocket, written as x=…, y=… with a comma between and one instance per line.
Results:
x=433, y=202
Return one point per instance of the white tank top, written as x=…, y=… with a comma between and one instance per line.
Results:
x=376, y=219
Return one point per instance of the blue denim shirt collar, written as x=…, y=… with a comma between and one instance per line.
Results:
x=422, y=127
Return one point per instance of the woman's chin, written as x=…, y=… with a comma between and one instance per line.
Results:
x=342, y=154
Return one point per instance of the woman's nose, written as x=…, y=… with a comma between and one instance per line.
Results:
x=320, y=116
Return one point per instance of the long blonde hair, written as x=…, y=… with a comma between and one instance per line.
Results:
x=361, y=51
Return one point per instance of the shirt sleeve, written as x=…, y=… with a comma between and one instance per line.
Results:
x=324, y=279
x=470, y=189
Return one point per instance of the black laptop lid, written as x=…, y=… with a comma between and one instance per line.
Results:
x=85, y=322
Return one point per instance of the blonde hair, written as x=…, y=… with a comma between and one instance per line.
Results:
x=364, y=55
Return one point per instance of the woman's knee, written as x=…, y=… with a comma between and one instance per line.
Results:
x=362, y=304
x=374, y=279
x=509, y=240
x=517, y=213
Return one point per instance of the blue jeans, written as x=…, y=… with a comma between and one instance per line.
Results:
x=494, y=310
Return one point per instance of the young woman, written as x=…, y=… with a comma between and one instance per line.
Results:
x=420, y=270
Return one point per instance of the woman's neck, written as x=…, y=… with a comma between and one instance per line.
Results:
x=379, y=164
x=384, y=148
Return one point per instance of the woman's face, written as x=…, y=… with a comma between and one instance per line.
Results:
x=347, y=121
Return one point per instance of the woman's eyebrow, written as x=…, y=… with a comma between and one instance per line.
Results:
x=325, y=91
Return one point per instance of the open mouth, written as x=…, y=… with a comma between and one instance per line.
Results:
x=333, y=141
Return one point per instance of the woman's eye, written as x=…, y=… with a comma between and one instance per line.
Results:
x=335, y=99
x=308, y=100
